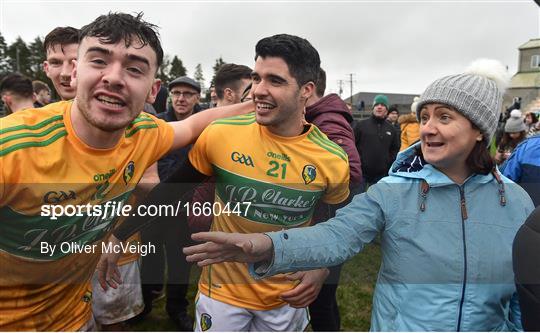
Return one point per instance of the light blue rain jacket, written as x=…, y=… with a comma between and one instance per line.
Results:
x=446, y=249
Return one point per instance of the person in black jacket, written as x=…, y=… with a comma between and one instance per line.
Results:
x=527, y=271
x=169, y=240
x=392, y=118
x=377, y=142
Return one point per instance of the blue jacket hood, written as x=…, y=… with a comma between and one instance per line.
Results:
x=409, y=165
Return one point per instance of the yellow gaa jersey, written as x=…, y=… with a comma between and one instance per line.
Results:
x=264, y=183
x=44, y=268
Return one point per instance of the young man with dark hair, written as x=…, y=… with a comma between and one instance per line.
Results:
x=61, y=46
x=231, y=81
x=273, y=184
x=16, y=92
x=93, y=152
x=42, y=93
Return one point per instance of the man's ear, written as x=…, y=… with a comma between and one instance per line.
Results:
x=46, y=68
x=228, y=95
x=73, y=82
x=154, y=90
x=307, y=90
x=7, y=99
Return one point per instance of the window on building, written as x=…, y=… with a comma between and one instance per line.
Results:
x=535, y=61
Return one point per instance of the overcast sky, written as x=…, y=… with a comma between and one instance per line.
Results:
x=389, y=46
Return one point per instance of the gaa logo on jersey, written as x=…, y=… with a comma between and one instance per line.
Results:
x=309, y=173
x=128, y=171
x=56, y=197
x=206, y=322
x=242, y=159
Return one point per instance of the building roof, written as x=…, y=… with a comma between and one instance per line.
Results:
x=525, y=80
x=531, y=44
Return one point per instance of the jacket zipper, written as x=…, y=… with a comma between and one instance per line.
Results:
x=463, y=208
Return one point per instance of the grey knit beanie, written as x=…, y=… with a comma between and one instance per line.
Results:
x=515, y=123
x=477, y=94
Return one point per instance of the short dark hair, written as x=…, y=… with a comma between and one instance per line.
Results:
x=301, y=57
x=320, y=84
x=61, y=36
x=229, y=76
x=114, y=27
x=17, y=84
x=38, y=86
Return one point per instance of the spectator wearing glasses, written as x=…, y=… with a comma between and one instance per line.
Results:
x=185, y=94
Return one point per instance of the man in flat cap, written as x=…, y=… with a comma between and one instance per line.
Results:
x=185, y=94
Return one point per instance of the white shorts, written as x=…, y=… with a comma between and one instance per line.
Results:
x=212, y=315
x=118, y=305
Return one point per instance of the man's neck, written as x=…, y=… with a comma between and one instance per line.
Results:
x=377, y=119
x=312, y=100
x=288, y=130
x=21, y=105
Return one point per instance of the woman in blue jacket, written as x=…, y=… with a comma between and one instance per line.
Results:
x=445, y=214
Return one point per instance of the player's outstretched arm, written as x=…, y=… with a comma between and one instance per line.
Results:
x=188, y=130
x=222, y=246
